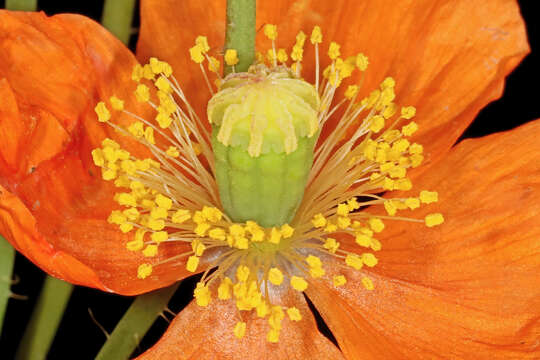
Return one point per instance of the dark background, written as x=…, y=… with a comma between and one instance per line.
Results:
x=519, y=104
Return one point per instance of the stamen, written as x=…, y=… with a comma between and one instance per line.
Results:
x=173, y=198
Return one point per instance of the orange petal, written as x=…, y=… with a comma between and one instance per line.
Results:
x=55, y=70
x=448, y=60
x=207, y=333
x=468, y=288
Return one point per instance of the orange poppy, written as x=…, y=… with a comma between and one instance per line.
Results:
x=466, y=289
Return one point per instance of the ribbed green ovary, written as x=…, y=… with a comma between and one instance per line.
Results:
x=265, y=128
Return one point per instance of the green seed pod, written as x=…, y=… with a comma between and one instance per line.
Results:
x=265, y=126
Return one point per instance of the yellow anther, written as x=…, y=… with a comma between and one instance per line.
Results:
x=192, y=263
x=116, y=103
x=98, y=158
x=408, y=112
x=416, y=160
x=131, y=214
x=136, y=129
x=212, y=214
x=339, y=280
x=262, y=309
x=377, y=123
x=102, y=112
x=353, y=204
x=297, y=53
x=330, y=228
x=272, y=336
x=259, y=57
x=242, y=273
x=397, y=172
x=298, y=283
x=125, y=199
x=225, y=289
x=196, y=53
x=172, y=151
x=313, y=261
x=135, y=245
x=144, y=270
x=163, y=85
x=142, y=93
x=271, y=56
x=147, y=72
x=331, y=245
x=416, y=149
x=231, y=57
x=403, y=184
x=137, y=73
x=275, y=236
x=343, y=222
x=428, y=197
x=270, y=31
x=363, y=240
x=156, y=224
x=181, y=216
x=389, y=111
x=369, y=259
x=388, y=184
x=434, y=219
x=318, y=221
x=333, y=50
x=163, y=201
x=159, y=236
x=362, y=62
x=412, y=203
x=217, y=234
x=149, y=135
x=388, y=82
x=294, y=314
x=213, y=64
x=158, y=213
x=351, y=91
x=275, y=276
x=376, y=224
x=342, y=209
x=126, y=227
x=241, y=243
x=202, y=294
x=368, y=284
x=390, y=207
x=316, y=35
x=240, y=329
x=409, y=129
x=150, y=251
x=282, y=55
x=198, y=247
x=201, y=229
x=202, y=41
x=287, y=231
x=354, y=261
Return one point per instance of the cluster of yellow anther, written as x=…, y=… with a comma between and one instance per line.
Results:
x=171, y=197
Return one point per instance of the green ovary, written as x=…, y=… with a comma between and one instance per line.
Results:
x=264, y=131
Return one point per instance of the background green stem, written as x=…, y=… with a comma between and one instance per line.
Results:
x=7, y=257
x=135, y=323
x=24, y=5
x=117, y=17
x=45, y=319
x=240, y=32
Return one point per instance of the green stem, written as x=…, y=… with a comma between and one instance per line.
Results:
x=117, y=18
x=7, y=257
x=240, y=32
x=45, y=319
x=23, y=5
x=135, y=323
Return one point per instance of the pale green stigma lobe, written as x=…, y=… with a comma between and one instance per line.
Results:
x=264, y=111
x=265, y=126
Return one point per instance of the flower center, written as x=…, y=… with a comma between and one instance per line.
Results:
x=192, y=188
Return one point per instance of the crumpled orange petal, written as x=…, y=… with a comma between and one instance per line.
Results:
x=53, y=70
x=449, y=59
x=206, y=333
x=467, y=289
